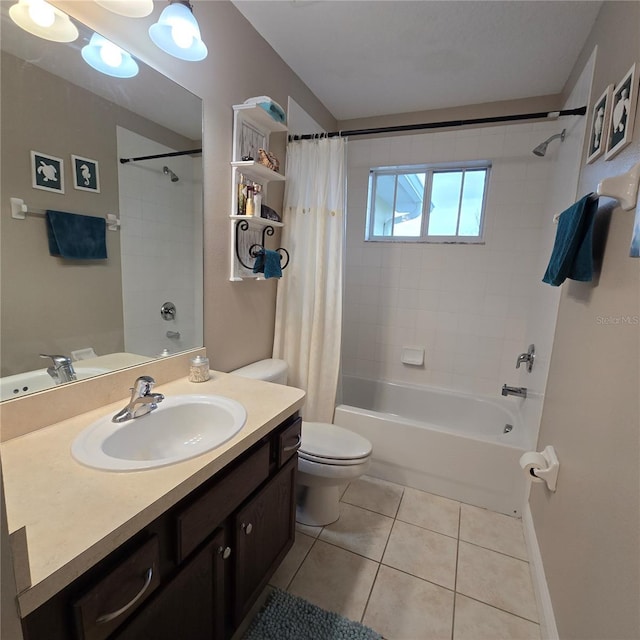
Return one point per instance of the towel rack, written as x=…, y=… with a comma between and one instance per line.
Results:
x=623, y=188
x=19, y=211
x=255, y=248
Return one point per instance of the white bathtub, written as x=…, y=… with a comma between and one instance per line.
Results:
x=431, y=439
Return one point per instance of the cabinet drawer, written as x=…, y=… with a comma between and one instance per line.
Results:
x=110, y=602
x=289, y=441
x=200, y=518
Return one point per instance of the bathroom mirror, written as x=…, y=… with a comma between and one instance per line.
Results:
x=61, y=115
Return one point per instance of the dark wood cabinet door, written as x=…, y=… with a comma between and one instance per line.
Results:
x=264, y=531
x=191, y=606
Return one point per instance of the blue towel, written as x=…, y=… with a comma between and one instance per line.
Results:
x=572, y=255
x=268, y=262
x=76, y=237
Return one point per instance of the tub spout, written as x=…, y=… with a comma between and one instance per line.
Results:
x=520, y=392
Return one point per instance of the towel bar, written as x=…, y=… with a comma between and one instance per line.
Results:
x=255, y=248
x=20, y=210
x=623, y=188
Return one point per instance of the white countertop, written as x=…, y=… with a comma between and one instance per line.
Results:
x=75, y=516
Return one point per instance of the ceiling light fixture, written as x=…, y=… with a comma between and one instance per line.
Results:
x=177, y=32
x=109, y=58
x=129, y=8
x=43, y=20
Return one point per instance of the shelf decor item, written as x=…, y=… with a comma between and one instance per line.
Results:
x=623, y=109
x=268, y=160
x=47, y=172
x=599, y=125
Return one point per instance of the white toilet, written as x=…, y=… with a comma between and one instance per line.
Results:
x=329, y=456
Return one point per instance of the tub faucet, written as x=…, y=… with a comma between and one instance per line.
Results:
x=62, y=370
x=520, y=392
x=142, y=400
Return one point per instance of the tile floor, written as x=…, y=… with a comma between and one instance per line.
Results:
x=416, y=566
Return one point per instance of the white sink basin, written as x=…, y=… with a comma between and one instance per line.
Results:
x=181, y=427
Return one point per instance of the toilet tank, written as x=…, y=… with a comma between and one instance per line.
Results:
x=269, y=370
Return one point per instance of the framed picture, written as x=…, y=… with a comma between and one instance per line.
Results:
x=251, y=139
x=47, y=172
x=623, y=109
x=599, y=125
x=85, y=174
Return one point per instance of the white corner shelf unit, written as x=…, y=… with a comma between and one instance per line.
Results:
x=252, y=127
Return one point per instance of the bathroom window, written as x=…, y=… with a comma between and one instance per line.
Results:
x=427, y=203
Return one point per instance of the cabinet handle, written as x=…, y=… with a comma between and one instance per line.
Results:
x=108, y=617
x=247, y=528
x=225, y=552
x=294, y=447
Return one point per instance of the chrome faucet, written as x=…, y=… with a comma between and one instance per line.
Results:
x=527, y=358
x=520, y=392
x=62, y=370
x=142, y=400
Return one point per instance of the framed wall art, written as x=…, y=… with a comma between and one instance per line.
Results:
x=623, y=109
x=599, y=132
x=85, y=174
x=47, y=172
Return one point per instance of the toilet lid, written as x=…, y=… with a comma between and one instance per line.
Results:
x=323, y=441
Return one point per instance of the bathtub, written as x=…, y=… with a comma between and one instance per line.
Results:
x=454, y=445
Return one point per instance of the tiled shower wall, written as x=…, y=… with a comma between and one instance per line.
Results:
x=161, y=226
x=467, y=305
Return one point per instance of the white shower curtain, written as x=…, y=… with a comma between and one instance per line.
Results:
x=309, y=302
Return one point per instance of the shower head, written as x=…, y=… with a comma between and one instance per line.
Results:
x=168, y=172
x=541, y=149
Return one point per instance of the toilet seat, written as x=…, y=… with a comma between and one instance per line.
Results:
x=329, y=444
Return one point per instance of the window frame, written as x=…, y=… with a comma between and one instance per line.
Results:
x=429, y=170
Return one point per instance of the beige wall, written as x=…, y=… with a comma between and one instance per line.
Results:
x=51, y=305
x=239, y=316
x=589, y=530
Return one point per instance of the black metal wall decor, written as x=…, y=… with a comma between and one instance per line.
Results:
x=256, y=248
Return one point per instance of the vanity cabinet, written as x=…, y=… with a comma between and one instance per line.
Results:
x=195, y=571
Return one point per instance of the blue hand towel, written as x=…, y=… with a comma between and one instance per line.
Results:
x=76, y=237
x=268, y=262
x=572, y=252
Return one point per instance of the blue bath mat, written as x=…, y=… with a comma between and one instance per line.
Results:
x=286, y=617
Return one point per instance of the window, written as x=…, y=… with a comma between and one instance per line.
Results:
x=443, y=203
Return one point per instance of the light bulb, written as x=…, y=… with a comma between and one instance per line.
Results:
x=182, y=35
x=111, y=54
x=41, y=13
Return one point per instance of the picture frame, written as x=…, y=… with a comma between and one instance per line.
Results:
x=86, y=174
x=47, y=172
x=251, y=139
x=600, y=121
x=634, y=250
x=623, y=109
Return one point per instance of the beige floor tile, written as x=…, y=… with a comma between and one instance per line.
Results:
x=335, y=579
x=374, y=494
x=477, y=621
x=493, y=531
x=496, y=579
x=402, y=607
x=308, y=530
x=360, y=531
x=430, y=511
x=292, y=561
x=422, y=553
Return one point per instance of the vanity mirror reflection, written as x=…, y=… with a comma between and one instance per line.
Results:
x=56, y=105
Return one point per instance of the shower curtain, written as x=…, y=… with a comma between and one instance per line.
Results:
x=309, y=302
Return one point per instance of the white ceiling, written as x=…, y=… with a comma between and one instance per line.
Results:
x=379, y=57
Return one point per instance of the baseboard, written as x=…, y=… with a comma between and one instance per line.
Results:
x=548, y=629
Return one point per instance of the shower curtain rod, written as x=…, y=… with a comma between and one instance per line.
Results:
x=580, y=111
x=173, y=154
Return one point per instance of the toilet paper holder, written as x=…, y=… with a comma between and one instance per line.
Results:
x=549, y=472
